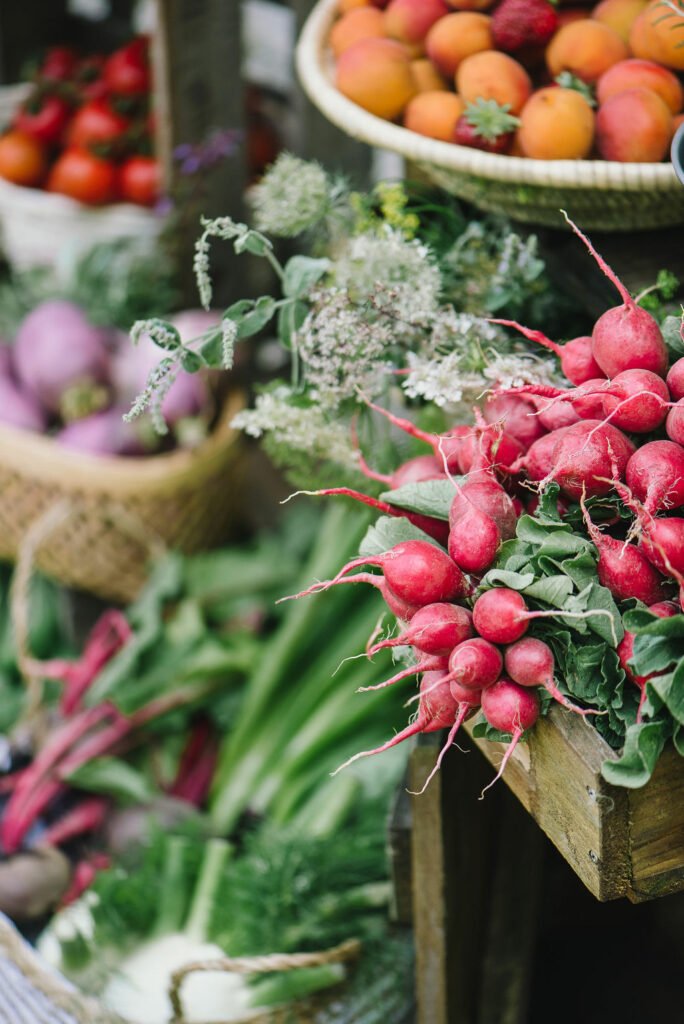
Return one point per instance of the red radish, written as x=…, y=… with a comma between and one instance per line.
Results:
x=474, y=537
x=636, y=400
x=437, y=710
x=418, y=572
x=509, y=708
x=437, y=664
x=474, y=665
x=517, y=416
x=401, y=609
x=655, y=475
x=434, y=629
x=435, y=528
x=501, y=615
x=530, y=662
x=674, y=424
x=86, y=816
x=623, y=568
x=582, y=454
x=625, y=337
x=663, y=544
x=675, y=380
x=554, y=415
x=422, y=467
x=576, y=359
x=539, y=461
x=625, y=650
x=486, y=493
x=466, y=701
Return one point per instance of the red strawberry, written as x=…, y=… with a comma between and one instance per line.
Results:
x=523, y=23
x=486, y=125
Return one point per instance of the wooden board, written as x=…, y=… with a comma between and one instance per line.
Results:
x=619, y=842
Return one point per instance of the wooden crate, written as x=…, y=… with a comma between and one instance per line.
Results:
x=619, y=842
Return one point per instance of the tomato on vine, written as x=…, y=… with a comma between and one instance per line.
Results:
x=140, y=180
x=44, y=117
x=82, y=175
x=23, y=160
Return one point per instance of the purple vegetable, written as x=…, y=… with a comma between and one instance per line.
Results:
x=19, y=409
x=134, y=363
x=56, y=348
x=103, y=433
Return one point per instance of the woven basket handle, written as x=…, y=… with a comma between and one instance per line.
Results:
x=346, y=951
x=37, y=533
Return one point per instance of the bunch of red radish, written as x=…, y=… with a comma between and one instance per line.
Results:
x=585, y=439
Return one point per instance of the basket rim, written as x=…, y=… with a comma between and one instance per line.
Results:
x=38, y=455
x=52, y=204
x=314, y=67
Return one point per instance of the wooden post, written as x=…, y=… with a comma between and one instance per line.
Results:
x=198, y=89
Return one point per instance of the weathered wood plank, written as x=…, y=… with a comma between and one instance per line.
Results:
x=399, y=850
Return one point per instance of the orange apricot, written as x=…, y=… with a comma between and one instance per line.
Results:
x=351, y=5
x=634, y=127
x=409, y=21
x=635, y=73
x=556, y=124
x=570, y=14
x=491, y=75
x=363, y=23
x=619, y=15
x=586, y=48
x=434, y=114
x=658, y=34
x=426, y=76
x=452, y=39
x=376, y=74
x=470, y=5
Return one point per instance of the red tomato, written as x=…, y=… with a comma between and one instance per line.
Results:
x=140, y=180
x=44, y=118
x=127, y=71
x=96, y=123
x=59, y=64
x=89, y=78
x=22, y=159
x=83, y=176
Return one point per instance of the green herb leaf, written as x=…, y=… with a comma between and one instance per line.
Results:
x=115, y=778
x=291, y=316
x=643, y=745
x=387, y=532
x=429, y=497
x=301, y=274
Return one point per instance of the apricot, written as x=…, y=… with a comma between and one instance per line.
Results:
x=635, y=73
x=363, y=23
x=452, y=39
x=351, y=5
x=491, y=75
x=570, y=14
x=586, y=48
x=376, y=74
x=556, y=124
x=426, y=76
x=634, y=127
x=434, y=114
x=409, y=21
x=658, y=34
x=619, y=15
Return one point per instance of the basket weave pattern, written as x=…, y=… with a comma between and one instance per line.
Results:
x=121, y=509
x=600, y=194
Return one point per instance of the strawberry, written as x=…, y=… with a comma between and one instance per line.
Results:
x=486, y=125
x=523, y=23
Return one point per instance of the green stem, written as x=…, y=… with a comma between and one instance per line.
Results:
x=172, y=899
x=213, y=864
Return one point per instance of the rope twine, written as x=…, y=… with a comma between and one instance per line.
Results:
x=343, y=953
x=83, y=1009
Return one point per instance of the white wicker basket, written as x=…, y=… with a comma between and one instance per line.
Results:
x=599, y=194
x=36, y=225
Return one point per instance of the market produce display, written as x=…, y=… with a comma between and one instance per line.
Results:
x=518, y=78
x=85, y=129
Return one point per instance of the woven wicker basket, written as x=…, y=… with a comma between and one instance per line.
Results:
x=598, y=194
x=31, y=993
x=118, y=510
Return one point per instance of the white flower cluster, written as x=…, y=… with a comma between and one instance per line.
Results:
x=442, y=380
x=292, y=196
x=301, y=428
x=401, y=272
x=512, y=370
x=463, y=332
x=343, y=350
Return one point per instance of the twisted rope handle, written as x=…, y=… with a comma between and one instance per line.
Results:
x=346, y=951
x=38, y=532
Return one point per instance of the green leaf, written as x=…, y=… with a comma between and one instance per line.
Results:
x=643, y=746
x=254, y=242
x=507, y=578
x=607, y=623
x=301, y=274
x=291, y=316
x=553, y=590
x=671, y=329
x=190, y=361
x=387, y=532
x=256, y=319
x=428, y=497
x=113, y=777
